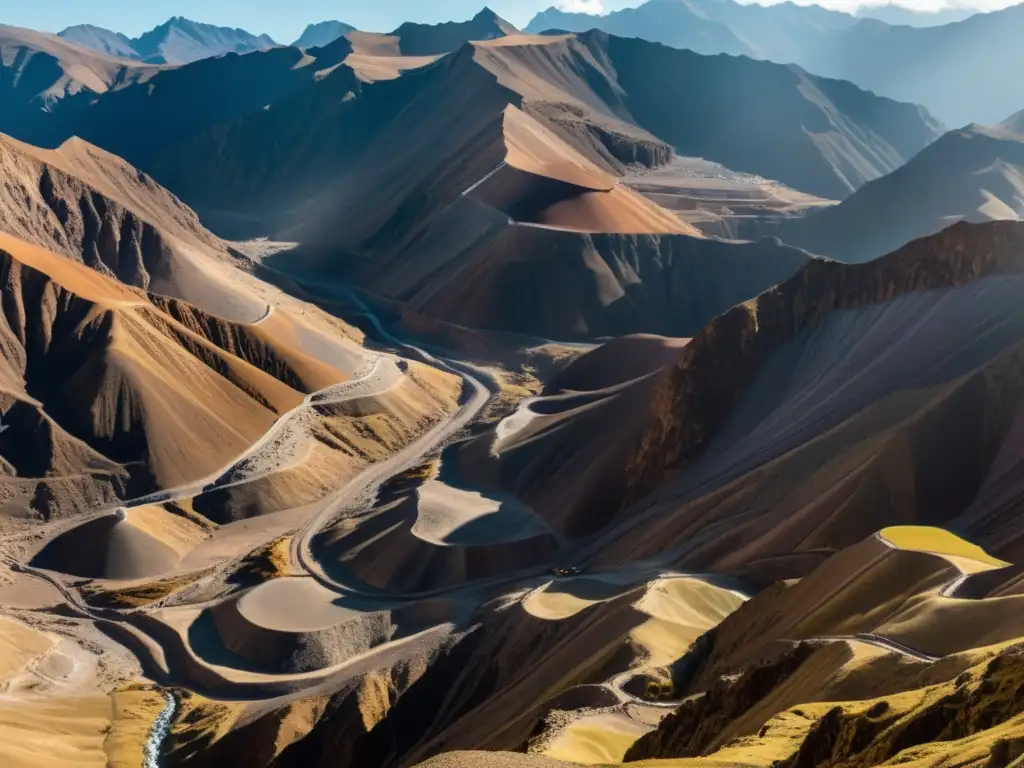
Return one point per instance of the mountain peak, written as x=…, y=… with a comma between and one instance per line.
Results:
x=321, y=33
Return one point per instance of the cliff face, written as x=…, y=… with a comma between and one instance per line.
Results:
x=692, y=728
x=714, y=370
x=973, y=717
x=93, y=207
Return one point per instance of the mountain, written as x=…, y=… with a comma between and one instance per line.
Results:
x=902, y=62
x=102, y=40
x=774, y=450
x=975, y=174
x=564, y=399
x=41, y=75
x=177, y=41
x=173, y=103
x=531, y=171
x=374, y=180
x=431, y=39
x=957, y=93
x=896, y=15
x=1015, y=123
x=780, y=32
x=113, y=289
x=617, y=119
x=673, y=24
x=321, y=34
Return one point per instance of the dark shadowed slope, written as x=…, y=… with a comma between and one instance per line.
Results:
x=42, y=75
x=975, y=174
x=322, y=33
x=826, y=137
x=947, y=68
x=604, y=97
x=430, y=39
x=817, y=440
x=490, y=200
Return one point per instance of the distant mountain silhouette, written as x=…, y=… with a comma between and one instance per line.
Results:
x=176, y=41
x=973, y=174
x=42, y=75
x=959, y=71
x=322, y=33
x=430, y=39
x=100, y=39
x=892, y=13
x=1015, y=123
x=822, y=136
x=778, y=33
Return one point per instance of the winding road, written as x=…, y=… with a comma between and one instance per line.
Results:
x=163, y=654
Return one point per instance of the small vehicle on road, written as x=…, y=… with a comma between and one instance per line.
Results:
x=572, y=570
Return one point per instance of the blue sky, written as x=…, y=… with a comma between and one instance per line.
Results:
x=283, y=20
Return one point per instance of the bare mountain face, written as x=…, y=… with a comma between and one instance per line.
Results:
x=908, y=63
x=975, y=174
x=42, y=74
x=495, y=455
x=1014, y=123
x=100, y=39
x=379, y=173
x=773, y=449
x=900, y=15
x=851, y=136
x=322, y=33
x=777, y=33
x=177, y=41
x=521, y=189
x=432, y=39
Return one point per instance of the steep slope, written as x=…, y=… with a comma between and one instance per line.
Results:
x=957, y=89
x=908, y=63
x=1015, y=123
x=755, y=695
x=672, y=23
x=215, y=90
x=730, y=452
x=896, y=15
x=176, y=41
x=120, y=394
x=235, y=152
x=521, y=196
x=100, y=39
x=975, y=174
x=430, y=39
x=96, y=209
x=820, y=136
x=43, y=74
x=93, y=364
x=322, y=33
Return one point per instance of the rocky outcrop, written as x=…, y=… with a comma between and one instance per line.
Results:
x=713, y=371
x=689, y=731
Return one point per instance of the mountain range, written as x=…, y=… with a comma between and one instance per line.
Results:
x=902, y=62
x=177, y=41
x=458, y=397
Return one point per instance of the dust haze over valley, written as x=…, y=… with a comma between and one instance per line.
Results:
x=638, y=388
